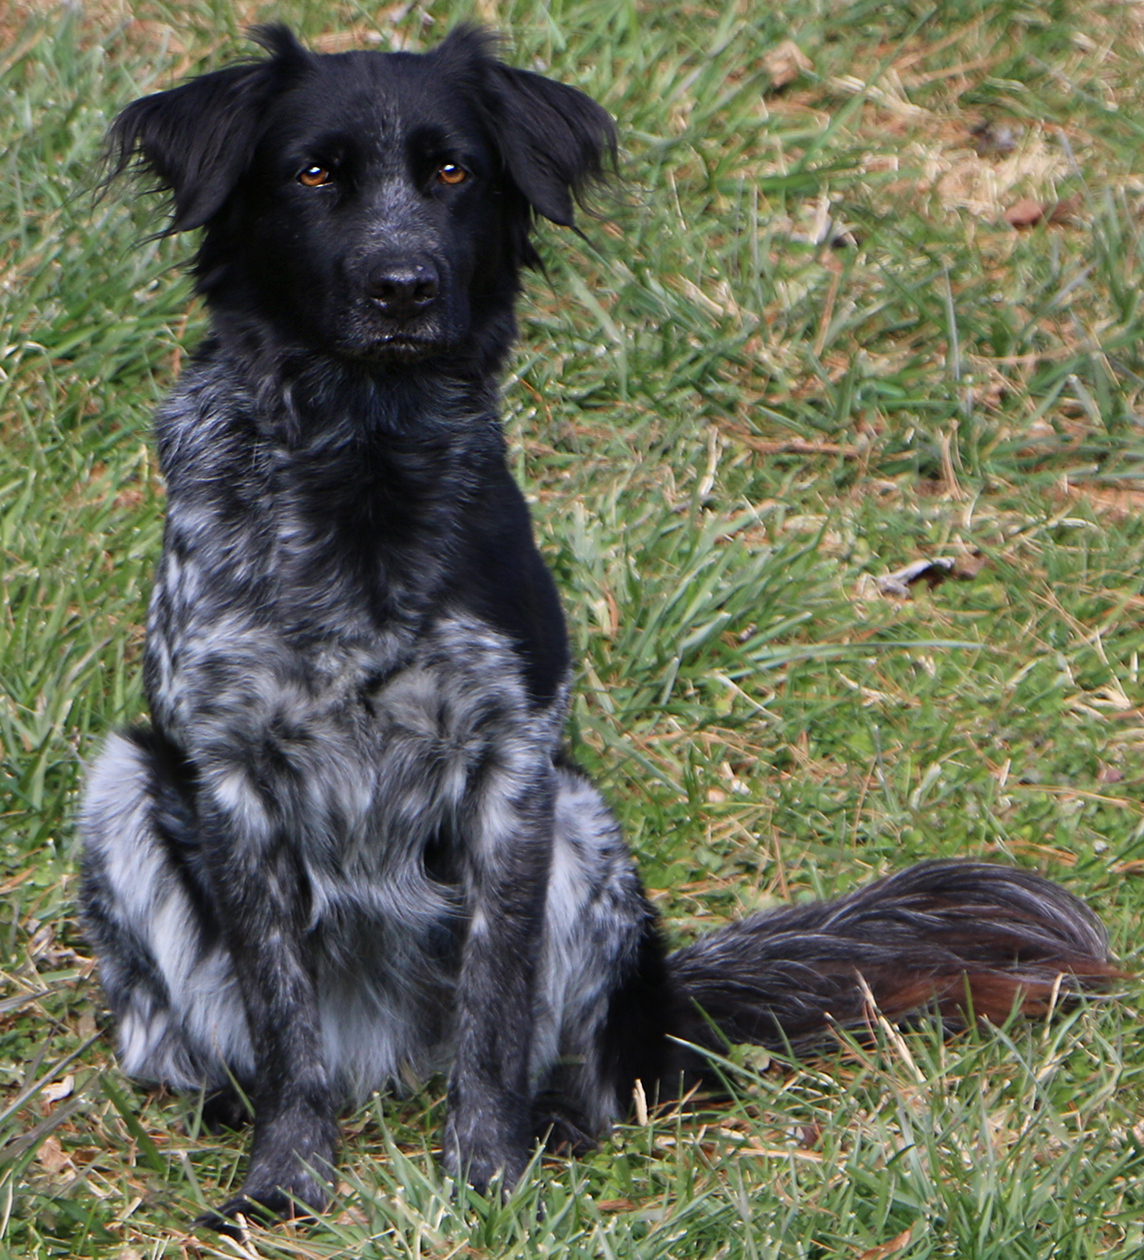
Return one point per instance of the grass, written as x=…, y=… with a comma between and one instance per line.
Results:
x=803, y=349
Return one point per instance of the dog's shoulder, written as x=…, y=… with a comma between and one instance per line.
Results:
x=502, y=579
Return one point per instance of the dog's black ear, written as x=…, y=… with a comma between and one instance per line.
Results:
x=198, y=139
x=555, y=142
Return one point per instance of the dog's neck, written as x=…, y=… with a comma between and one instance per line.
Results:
x=309, y=396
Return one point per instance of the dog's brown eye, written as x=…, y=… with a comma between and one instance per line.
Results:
x=314, y=176
x=451, y=173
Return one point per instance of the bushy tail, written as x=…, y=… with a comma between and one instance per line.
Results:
x=955, y=936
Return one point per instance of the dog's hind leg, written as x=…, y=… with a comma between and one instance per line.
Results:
x=166, y=946
x=165, y=972
x=605, y=1001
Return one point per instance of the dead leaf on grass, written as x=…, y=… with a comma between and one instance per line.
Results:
x=1025, y=213
x=933, y=572
x=58, y=1089
x=1065, y=211
x=966, y=568
x=785, y=62
x=52, y=1155
x=900, y=1243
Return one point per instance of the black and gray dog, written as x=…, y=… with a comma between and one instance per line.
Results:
x=349, y=849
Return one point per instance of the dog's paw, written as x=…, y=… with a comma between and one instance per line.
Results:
x=301, y=1203
x=480, y=1149
x=562, y=1134
x=287, y=1178
x=235, y=1215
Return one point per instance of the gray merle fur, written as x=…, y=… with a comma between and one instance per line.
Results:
x=349, y=850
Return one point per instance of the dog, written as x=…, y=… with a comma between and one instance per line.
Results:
x=350, y=848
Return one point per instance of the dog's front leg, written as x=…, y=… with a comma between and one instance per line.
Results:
x=262, y=897
x=508, y=846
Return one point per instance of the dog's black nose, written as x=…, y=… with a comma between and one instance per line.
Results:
x=403, y=289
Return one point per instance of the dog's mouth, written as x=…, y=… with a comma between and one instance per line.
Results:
x=373, y=336
x=396, y=345
x=404, y=348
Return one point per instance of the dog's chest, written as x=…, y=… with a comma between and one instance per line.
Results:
x=305, y=653
x=369, y=743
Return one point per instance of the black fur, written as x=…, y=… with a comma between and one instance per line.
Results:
x=349, y=849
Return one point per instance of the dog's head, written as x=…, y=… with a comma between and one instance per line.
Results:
x=374, y=206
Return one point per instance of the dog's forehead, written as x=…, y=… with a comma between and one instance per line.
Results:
x=385, y=95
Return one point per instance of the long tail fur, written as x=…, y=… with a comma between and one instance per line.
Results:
x=958, y=937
